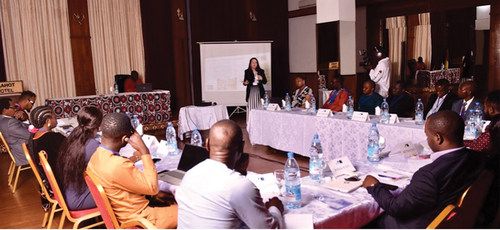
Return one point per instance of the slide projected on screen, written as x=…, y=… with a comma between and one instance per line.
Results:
x=223, y=66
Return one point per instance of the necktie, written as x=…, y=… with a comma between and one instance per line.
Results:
x=462, y=113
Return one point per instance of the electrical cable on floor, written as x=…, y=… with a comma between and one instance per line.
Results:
x=305, y=169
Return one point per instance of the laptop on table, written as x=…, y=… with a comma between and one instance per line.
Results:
x=191, y=156
x=146, y=87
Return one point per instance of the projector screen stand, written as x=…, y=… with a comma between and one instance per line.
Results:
x=239, y=109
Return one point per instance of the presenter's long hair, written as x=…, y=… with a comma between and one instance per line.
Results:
x=71, y=160
x=250, y=64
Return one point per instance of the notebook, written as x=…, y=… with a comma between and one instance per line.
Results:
x=146, y=87
x=191, y=156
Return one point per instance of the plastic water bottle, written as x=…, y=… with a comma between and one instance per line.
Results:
x=470, y=132
x=115, y=88
x=292, y=183
x=171, y=140
x=313, y=105
x=478, y=115
x=316, y=159
x=196, y=137
x=136, y=124
x=419, y=112
x=373, y=148
x=384, y=112
x=288, y=105
x=350, y=107
x=266, y=100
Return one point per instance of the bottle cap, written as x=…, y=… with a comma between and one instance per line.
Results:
x=316, y=136
x=195, y=128
x=135, y=116
x=419, y=99
x=374, y=124
x=385, y=99
x=169, y=123
x=477, y=102
x=289, y=155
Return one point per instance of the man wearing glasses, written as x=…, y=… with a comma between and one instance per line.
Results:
x=14, y=131
x=24, y=105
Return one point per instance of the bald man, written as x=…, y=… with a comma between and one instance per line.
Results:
x=436, y=185
x=214, y=194
x=126, y=186
x=466, y=91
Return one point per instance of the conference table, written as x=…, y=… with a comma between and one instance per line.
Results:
x=151, y=107
x=293, y=131
x=202, y=117
x=321, y=207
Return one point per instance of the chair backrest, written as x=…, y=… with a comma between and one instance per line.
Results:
x=464, y=213
x=120, y=81
x=101, y=200
x=37, y=174
x=8, y=148
x=58, y=196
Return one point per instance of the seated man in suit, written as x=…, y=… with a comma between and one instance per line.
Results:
x=126, y=186
x=14, y=131
x=338, y=96
x=131, y=82
x=442, y=99
x=466, y=92
x=370, y=99
x=436, y=185
x=215, y=194
x=400, y=102
x=24, y=105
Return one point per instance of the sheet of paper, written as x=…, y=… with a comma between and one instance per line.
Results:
x=299, y=221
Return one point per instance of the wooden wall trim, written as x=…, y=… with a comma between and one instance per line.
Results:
x=81, y=49
x=302, y=12
x=494, y=58
x=3, y=73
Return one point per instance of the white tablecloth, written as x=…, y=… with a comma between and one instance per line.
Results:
x=360, y=207
x=293, y=131
x=202, y=117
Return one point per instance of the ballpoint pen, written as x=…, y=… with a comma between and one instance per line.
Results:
x=391, y=177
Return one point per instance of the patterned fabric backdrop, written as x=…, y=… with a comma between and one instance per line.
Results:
x=151, y=107
x=427, y=78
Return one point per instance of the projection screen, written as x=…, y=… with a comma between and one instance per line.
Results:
x=223, y=66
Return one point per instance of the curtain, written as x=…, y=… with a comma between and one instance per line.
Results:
x=37, y=48
x=117, y=44
x=397, y=34
x=423, y=41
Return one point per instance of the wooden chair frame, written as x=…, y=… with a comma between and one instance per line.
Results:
x=74, y=216
x=464, y=213
x=53, y=203
x=13, y=169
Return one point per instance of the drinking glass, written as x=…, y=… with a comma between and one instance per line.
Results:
x=279, y=179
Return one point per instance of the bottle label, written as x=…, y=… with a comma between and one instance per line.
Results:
x=419, y=117
x=373, y=151
x=293, y=193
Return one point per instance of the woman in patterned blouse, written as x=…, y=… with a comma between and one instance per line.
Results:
x=302, y=94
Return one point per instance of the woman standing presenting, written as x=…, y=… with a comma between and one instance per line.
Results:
x=254, y=80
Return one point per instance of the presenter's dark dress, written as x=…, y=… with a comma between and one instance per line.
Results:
x=254, y=92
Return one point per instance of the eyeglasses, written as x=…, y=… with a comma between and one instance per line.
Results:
x=32, y=102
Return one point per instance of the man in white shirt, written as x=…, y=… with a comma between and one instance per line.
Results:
x=214, y=194
x=466, y=91
x=381, y=75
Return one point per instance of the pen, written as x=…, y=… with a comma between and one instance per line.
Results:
x=391, y=177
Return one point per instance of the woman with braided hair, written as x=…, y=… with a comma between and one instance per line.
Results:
x=43, y=120
x=74, y=155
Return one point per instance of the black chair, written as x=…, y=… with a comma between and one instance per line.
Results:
x=120, y=80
